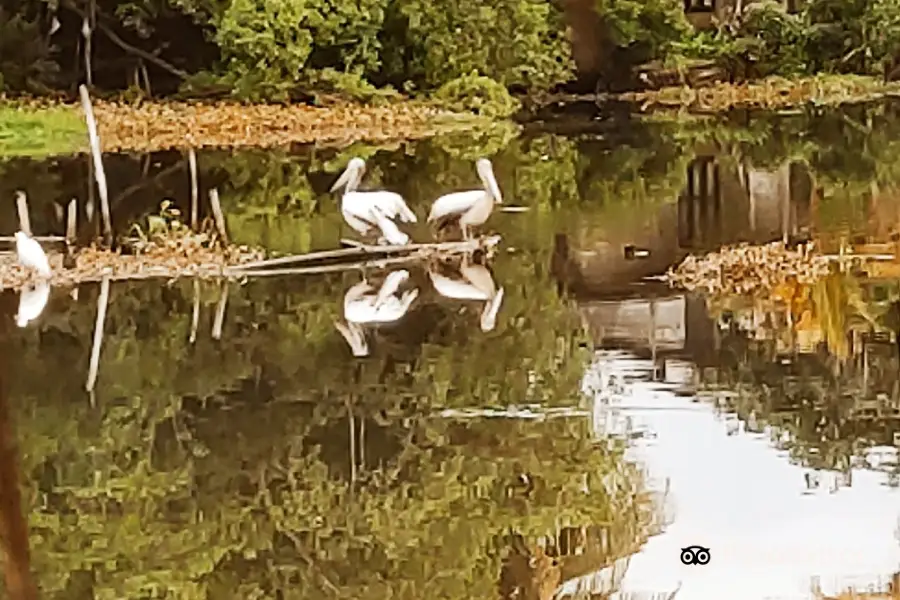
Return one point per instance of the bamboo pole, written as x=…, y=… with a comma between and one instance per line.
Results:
x=22, y=209
x=220, y=312
x=102, y=303
x=217, y=214
x=192, y=164
x=99, y=173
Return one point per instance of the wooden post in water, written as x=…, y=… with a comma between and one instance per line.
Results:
x=219, y=320
x=217, y=214
x=352, y=423
x=22, y=209
x=99, y=173
x=192, y=163
x=102, y=302
x=72, y=221
x=195, y=317
x=13, y=526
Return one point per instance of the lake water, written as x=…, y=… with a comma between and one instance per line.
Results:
x=235, y=444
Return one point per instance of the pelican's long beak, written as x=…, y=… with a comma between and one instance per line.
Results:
x=350, y=174
x=486, y=171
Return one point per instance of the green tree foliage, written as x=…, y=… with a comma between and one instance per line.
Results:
x=516, y=42
x=833, y=36
x=649, y=27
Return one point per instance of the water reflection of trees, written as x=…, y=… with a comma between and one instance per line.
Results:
x=270, y=463
x=826, y=411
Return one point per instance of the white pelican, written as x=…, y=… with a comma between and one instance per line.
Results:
x=356, y=207
x=31, y=254
x=363, y=305
x=32, y=301
x=475, y=283
x=472, y=207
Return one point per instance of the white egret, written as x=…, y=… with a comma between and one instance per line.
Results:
x=475, y=283
x=469, y=208
x=356, y=206
x=31, y=254
x=362, y=304
x=32, y=301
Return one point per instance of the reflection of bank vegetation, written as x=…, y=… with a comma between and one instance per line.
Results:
x=215, y=467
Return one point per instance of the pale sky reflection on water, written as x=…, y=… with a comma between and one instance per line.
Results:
x=740, y=496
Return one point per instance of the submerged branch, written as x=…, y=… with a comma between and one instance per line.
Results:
x=413, y=251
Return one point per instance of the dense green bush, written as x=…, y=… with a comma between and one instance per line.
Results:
x=477, y=93
x=833, y=36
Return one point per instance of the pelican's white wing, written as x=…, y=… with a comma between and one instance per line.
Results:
x=360, y=205
x=454, y=288
x=32, y=302
x=390, y=286
x=392, y=309
x=394, y=206
x=356, y=223
x=454, y=204
x=389, y=229
x=357, y=293
x=360, y=311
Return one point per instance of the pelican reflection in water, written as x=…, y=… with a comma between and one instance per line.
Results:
x=365, y=211
x=364, y=305
x=32, y=301
x=470, y=282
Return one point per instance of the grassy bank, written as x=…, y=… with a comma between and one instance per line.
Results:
x=40, y=131
x=48, y=129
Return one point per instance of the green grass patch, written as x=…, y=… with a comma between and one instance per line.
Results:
x=28, y=131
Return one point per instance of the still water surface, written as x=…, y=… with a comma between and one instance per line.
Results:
x=599, y=426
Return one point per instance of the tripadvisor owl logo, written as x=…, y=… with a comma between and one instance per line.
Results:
x=695, y=555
